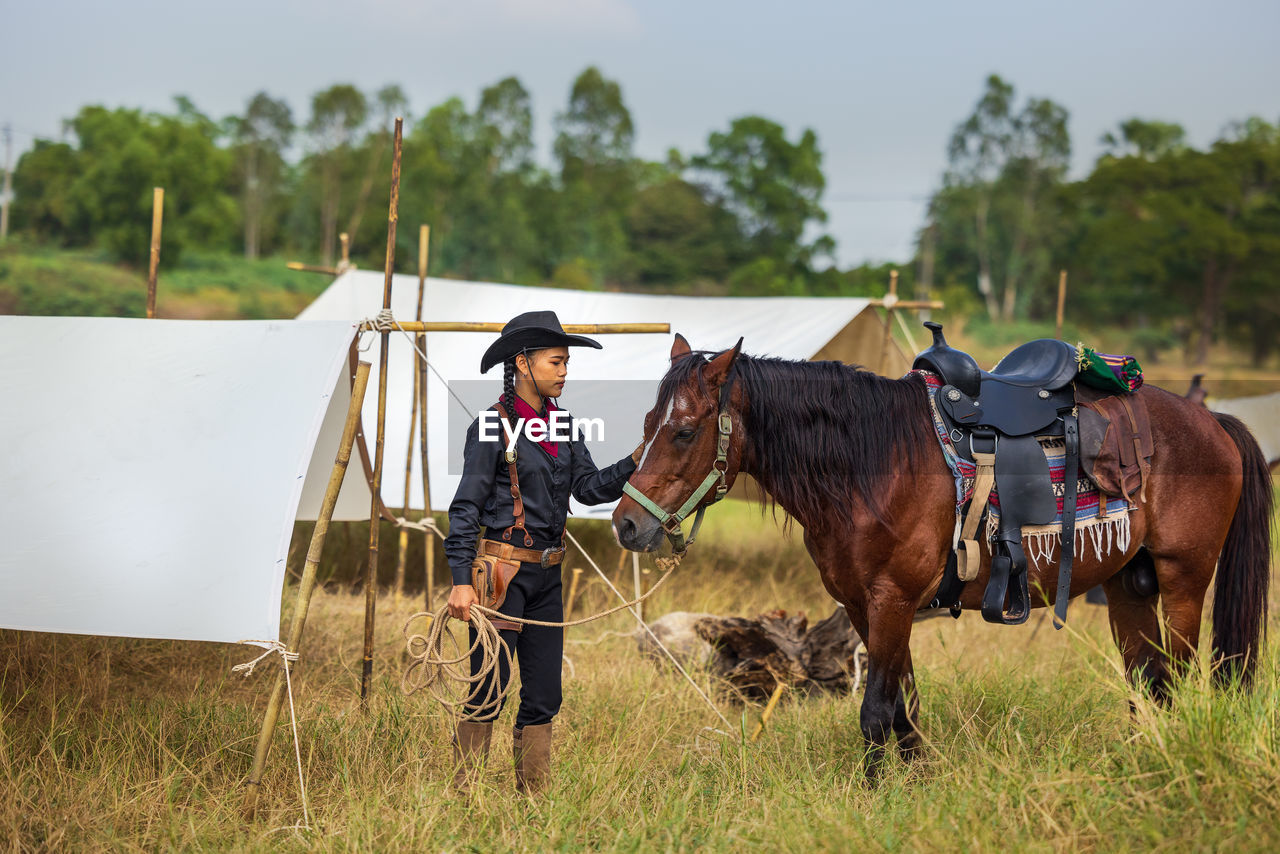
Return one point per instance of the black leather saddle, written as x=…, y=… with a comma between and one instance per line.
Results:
x=1029, y=394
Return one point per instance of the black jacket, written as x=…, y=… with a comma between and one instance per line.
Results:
x=484, y=495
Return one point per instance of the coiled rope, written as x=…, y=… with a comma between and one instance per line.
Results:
x=446, y=676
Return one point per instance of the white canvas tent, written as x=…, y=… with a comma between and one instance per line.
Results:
x=1261, y=414
x=616, y=384
x=154, y=469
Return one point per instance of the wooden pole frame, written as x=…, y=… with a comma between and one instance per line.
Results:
x=429, y=541
x=371, y=570
x=889, y=302
x=419, y=392
x=157, y=220
x=308, y=584
x=892, y=306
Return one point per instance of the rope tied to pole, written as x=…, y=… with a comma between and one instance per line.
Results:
x=383, y=321
x=287, y=657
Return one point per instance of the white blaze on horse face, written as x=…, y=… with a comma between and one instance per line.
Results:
x=671, y=404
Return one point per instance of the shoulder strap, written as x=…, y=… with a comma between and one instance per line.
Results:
x=517, y=504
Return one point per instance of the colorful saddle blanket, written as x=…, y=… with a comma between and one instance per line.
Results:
x=1101, y=520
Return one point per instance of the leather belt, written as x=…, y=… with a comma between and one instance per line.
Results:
x=506, y=551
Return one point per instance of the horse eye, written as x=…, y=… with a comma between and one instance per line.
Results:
x=684, y=435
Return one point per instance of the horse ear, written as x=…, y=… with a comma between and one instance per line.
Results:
x=718, y=369
x=679, y=347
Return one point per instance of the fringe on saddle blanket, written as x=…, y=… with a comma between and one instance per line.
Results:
x=1101, y=521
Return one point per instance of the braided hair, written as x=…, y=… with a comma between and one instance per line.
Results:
x=509, y=391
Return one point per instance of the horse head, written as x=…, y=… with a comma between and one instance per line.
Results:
x=694, y=437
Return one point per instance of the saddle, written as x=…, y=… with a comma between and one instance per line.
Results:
x=995, y=420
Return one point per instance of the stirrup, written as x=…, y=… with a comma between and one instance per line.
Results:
x=1008, y=561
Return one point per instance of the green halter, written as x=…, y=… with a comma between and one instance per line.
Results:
x=716, y=477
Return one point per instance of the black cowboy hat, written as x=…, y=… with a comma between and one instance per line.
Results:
x=532, y=330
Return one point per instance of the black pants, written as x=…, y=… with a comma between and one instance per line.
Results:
x=535, y=592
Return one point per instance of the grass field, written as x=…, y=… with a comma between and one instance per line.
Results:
x=144, y=745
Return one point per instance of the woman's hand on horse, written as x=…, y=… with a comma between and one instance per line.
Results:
x=461, y=598
x=635, y=455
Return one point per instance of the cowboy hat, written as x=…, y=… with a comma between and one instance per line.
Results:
x=532, y=330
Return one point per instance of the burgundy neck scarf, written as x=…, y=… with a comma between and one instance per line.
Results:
x=525, y=411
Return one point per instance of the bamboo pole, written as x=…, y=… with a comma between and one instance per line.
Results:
x=573, y=593
x=157, y=219
x=768, y=709
x=308, y=584
x=371, y=571
x=312, y=268
x=890, y=303
x=1062, y=299
x=909, y=304
x=429, y=552
x=403, y=545
x=906, y=331
x=418, y=380
x=482, y=326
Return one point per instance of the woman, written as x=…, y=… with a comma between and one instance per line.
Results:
x=534, y=351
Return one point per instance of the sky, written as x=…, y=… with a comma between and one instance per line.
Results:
x=883, y=84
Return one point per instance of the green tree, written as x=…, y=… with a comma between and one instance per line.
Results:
x=42, y=182
x=337, y=114
x=593, y=145
x=377, y=150
x=505, y=119
x=1143, y=138
x=1004, y=164
x=262, y=136
x=1192, y=228
x=677, y=235
x=105, y=194
x=773, y=187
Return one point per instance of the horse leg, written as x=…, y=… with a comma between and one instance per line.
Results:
x=1182, y=587
x=887, y=638
x=906, y=707
x=906, y=714
x=1136, y=630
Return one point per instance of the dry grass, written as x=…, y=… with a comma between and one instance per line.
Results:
x=143, y=745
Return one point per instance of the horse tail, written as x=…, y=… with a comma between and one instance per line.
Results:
x=1244, y=568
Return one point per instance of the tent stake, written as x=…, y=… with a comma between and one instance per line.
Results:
x=371, y=571
x=308, y=585
x=157, y=217
x=424, y=248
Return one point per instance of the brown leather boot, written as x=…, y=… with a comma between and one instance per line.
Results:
x=531, y=747
x=470, y=751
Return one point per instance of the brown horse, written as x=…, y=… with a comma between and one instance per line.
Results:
x=854, y=458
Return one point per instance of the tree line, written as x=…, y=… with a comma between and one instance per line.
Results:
x=1181, y=244
x=735, y=216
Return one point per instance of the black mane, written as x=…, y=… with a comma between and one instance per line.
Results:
x=820, y=433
